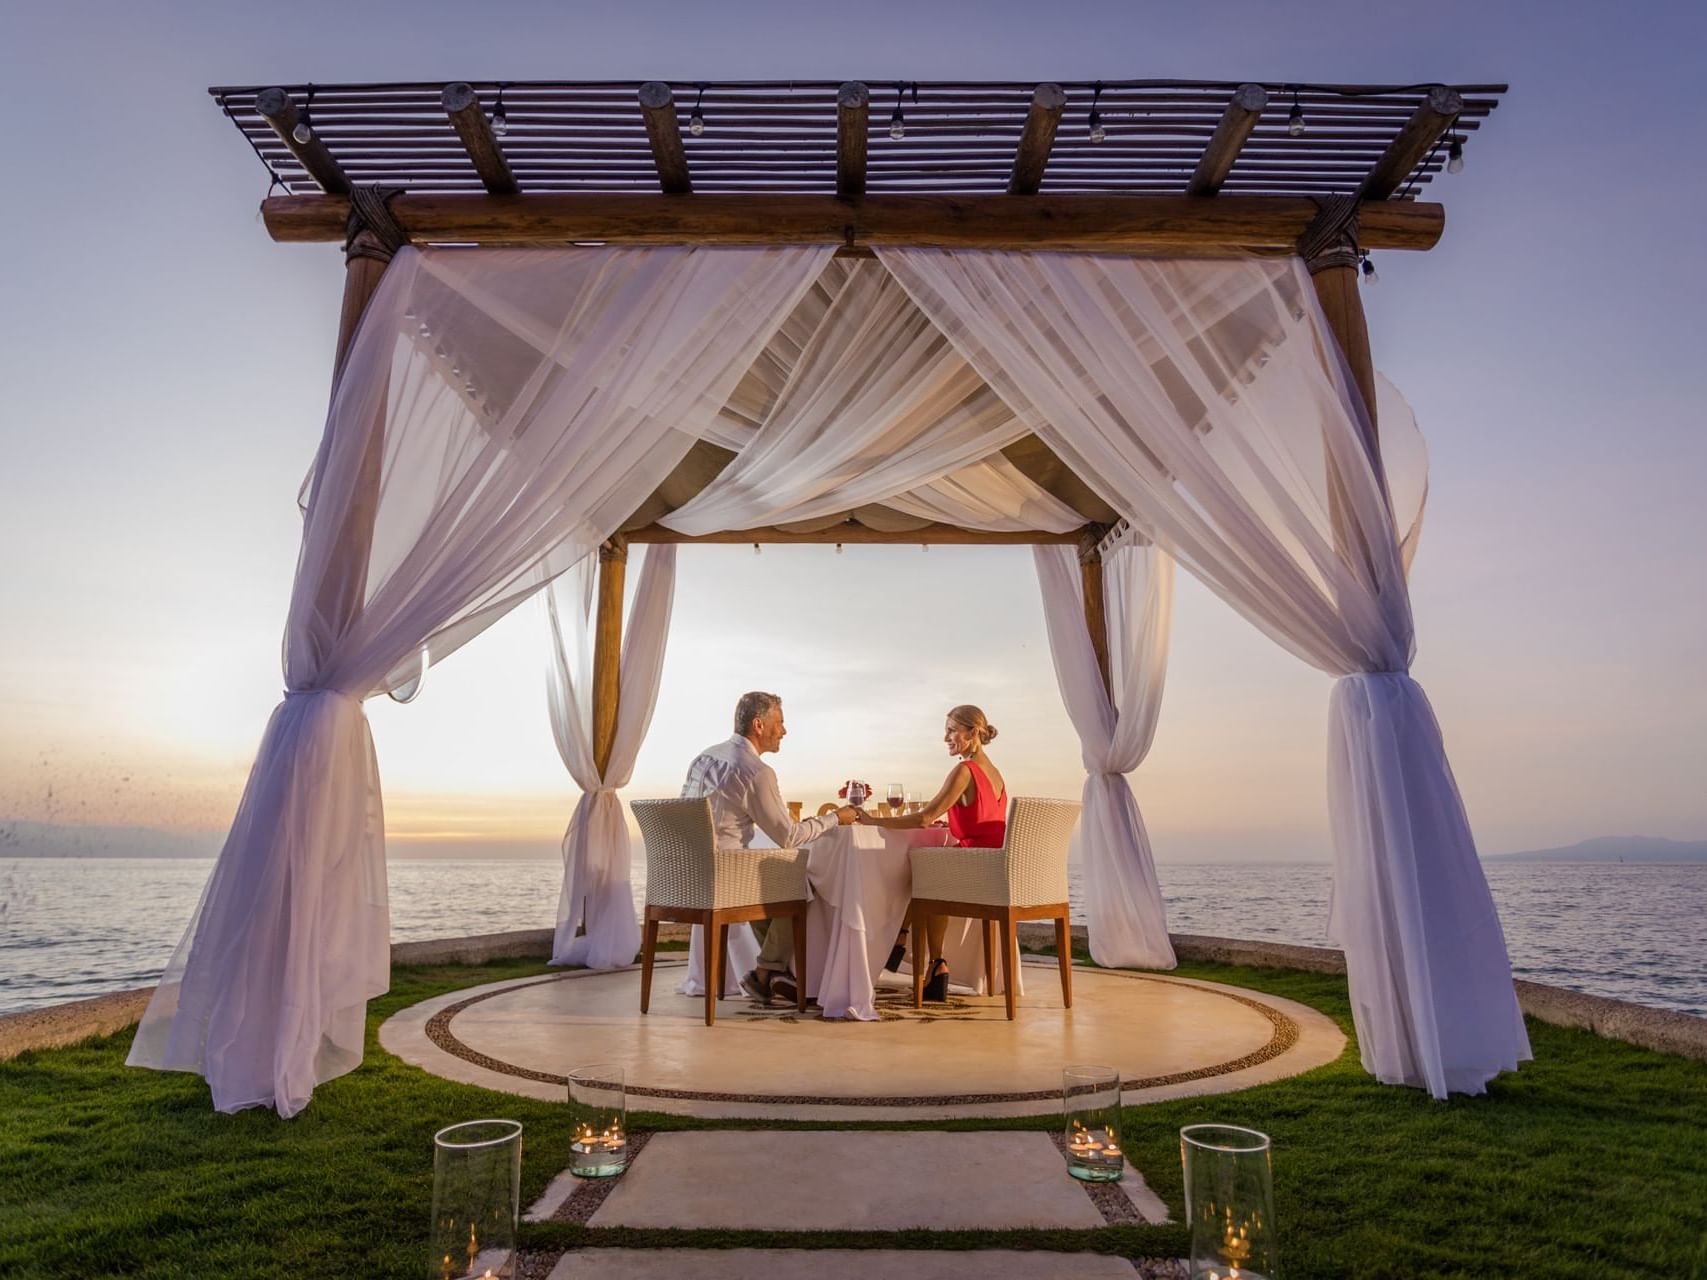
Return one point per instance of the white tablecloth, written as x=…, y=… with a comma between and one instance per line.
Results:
x=861, y=880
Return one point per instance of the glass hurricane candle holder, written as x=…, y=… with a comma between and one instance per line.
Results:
x=477, y=1187
x=1229, y=1202
x=598, y=1109
x=1090, y=1113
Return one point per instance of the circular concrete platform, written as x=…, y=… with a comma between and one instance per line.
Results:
x=1170, y=1037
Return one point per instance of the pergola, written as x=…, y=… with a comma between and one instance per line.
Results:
x=1312, y=176
x=1176, y=167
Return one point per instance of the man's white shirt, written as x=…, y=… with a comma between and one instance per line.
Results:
x=744, y=793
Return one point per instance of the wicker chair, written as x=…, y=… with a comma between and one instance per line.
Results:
x=1026, y=879
x=689, y=879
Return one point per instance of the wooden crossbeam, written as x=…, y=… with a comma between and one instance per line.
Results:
x=1037, y=139
x=463, y=107
x=1237, y=121
x=658, y=106
x=1431, y=119
x=1092, y=223
x=278, y=109
x=859, y=534
x=853, y=111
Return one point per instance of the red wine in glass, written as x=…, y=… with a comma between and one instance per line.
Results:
x=897, y=797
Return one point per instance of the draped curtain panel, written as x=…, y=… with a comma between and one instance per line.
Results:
x=1124, y=913
x=1208, y=402
x=500, y=412
x=596, y=922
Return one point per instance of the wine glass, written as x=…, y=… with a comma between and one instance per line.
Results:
x=914, y=804
x=897, y=797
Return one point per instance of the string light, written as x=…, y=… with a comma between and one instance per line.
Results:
x=500, y=117
x=1097, y=132
x=1369, y=276
x=1295, y=121
x=303, y=133
x=897, y=126
x=1455, y=157
x=696, y=121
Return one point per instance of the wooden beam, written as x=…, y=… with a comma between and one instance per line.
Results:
x=853, y=130
x=858, y=535
x=1036, y=140
x=658, y=105
x=463, y=107
x=1237, y=121
x=1101, y=223
x=607, y=650
x=1431, y=119
x=1342, y=306
x=278, y=109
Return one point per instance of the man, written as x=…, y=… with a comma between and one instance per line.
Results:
x=744, y=794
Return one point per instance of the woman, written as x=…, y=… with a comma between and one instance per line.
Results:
x=975, y=798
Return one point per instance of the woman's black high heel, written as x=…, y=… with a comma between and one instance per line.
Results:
x=898, y=952
x=937, y=988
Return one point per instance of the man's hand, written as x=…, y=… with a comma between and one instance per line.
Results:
x=847, y=815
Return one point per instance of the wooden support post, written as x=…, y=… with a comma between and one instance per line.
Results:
x=1342, y=305
x=607, y=649
x=658, y=106
x=1037, y=140
x=1237, y=121
x=468, y=117
x=1096, y=618
x=853, y=130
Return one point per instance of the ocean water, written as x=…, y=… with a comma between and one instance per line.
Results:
x=76, y=927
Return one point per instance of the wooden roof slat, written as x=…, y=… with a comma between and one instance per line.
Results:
x=468, y=118
x=658, y=107
x=853, y=128
x=1037, y=137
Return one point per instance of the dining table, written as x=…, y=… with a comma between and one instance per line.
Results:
x=860, y=881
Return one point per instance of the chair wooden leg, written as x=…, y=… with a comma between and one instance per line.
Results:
x=1064, y=952
x=989, y=928
x=648, y=952
x=1010, y=959
x=713, y=970
x=800, y=959
x=916, y=933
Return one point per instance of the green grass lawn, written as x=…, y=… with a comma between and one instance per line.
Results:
x=1591, y=1161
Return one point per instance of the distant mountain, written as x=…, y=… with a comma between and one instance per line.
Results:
x=56, y=840
x=1615, y=849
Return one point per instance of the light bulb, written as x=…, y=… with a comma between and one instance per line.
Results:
x=1455, y=157
x=696, y=122
x=303, y=133
x=897, y=125
x=1098, y=133
x=1369, y=276
x=500, y=121
x=1295, y=121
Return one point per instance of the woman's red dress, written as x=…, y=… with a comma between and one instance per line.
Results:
x=983, y=824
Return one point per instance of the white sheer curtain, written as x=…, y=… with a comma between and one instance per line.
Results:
x=1207, y=401
x=596, y=923
x=499, y=413
x=860, y=400
x=1124, y=914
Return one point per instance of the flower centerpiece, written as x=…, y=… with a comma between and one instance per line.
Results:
x=855, y=792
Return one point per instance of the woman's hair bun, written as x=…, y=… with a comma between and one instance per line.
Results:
x=989, y=734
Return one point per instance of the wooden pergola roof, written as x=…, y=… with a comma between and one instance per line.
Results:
x=1161, y=137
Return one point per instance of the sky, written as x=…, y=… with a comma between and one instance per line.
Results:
x=168, y=365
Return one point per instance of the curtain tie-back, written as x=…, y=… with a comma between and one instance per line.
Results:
x=315, y=693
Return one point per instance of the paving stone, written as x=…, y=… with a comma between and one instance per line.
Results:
x=837, y=1264
x=857, y=1181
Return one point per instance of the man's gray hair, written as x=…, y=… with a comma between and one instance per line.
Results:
x=751, y=707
